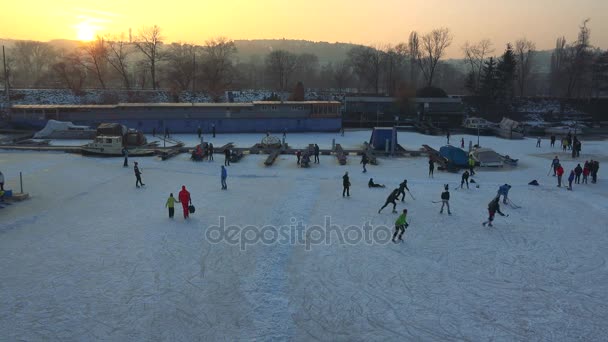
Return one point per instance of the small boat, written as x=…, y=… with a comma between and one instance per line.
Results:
x=64, y=130
x=112, y=146
x=474, y=125
x=509, y=129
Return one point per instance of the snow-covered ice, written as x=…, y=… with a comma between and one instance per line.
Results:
x=90, y=257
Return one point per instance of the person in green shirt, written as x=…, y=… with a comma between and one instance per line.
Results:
x=171, y=205
x=400, y=226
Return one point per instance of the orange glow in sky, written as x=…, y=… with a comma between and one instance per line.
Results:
x=374, y=22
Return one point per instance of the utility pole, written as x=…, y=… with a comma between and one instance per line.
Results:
x=6, y=85
x=193, y=71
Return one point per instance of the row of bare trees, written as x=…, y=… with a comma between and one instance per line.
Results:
x=147, y=62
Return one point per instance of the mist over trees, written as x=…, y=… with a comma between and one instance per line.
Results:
x=574, y=69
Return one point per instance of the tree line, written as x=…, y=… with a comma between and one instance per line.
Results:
x=147, y=62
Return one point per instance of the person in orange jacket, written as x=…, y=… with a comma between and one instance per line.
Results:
x=560, y=172
x=185, y=200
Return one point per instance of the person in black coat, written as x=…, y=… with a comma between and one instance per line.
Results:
x=578, y=170
x=391, y=199
x=431, y=167
x=402, y=188
x=210, y=152
x=346, y=185
x=371, y=184
x=138, y=181
x=316, y=154
x=227, y=157
x=464, y=179
x=445, y=200
x=364, y=161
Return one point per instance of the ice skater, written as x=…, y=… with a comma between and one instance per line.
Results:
x=210, y=152
x=138, y=173
x=213, y=129
x=578, y=170
x=345, y=185
x=462, y=143
x=316, y=151
x=185, y=200
x=298, y=157
x=464, y=179
x=392, y=198
x=570, y=179
x=553, y=141
x=400, y=226
x=445, y=200
x=554, y=165
x=199, y=131
x=402, y=188
x=493, y=208
x=431, y=167
x=560, y=173
x=471, y=165
x=224, y=175
x=538, y=142
x=371, y=184
x=125, y=152
x=227, y=157
x=1, y=181
x=171, y=205
x=364, y=161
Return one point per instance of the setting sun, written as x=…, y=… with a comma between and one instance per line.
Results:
x=85, y=32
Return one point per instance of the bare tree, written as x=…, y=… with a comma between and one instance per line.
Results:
x=558, y=65
x=32, y=60
x=524, y=52
x=342, y=75
x=71, y=71
x=307, y=68
x=281, y=65
x=95, y=58
x=148, y=42
x=432, y=48
x=117, y=54
x=413, y=47
x=571, y=63
x=180, y=65
x=367, y=66
x=475, y=55
x=217, y=66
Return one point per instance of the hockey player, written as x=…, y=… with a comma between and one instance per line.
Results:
x=445, y=200
x=402, y=188
x=371, y=184
x=391, y=199
x=400, y=226
x=138, y=173
x=471, y=166
x=554, y=164
x=171, y=205
x=464, y=179
x=504, y=191
x=493, y=208
x=345, y=185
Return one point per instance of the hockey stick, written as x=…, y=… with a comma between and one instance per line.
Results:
x=414, y=198
x=513, y=205
x=550, y=168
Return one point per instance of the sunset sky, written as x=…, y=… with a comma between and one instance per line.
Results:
x=364, y=21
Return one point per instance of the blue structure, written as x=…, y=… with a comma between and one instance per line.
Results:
x=454, y=155
x=379, y=137
x=263, y=116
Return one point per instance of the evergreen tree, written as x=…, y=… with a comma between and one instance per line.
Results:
x=488, y=87
x=506, y=69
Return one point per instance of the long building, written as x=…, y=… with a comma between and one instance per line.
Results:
x=258, y=116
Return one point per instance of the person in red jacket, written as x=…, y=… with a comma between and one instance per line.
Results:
x=560, y=172
x=184, y=199
x=586, y=172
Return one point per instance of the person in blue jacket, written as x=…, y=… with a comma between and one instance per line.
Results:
x=224, y=176
x=504, y=191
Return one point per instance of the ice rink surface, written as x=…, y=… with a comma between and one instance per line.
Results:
x=91, y=257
